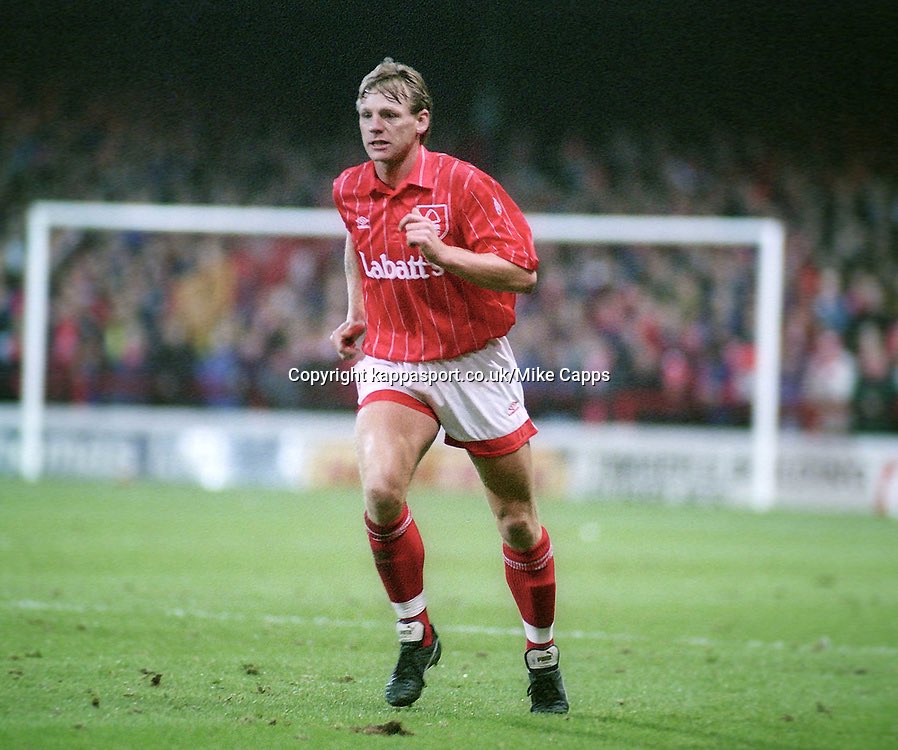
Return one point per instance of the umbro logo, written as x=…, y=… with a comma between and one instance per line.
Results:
x=362, y=222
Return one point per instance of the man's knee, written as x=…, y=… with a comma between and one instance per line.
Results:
x=518, y=527
x=384, y=497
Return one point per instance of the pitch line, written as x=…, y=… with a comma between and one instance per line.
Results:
x=462, y=629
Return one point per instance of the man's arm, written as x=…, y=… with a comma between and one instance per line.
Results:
x=349, y=331
x=484, y=269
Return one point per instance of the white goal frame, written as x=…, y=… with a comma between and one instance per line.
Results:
x=766, y=235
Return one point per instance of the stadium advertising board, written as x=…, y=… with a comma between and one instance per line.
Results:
x=575, y=461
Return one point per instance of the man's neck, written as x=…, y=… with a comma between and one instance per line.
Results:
x=394, y=174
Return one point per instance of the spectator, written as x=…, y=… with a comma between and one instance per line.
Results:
x=829, y=384
x=184, y=320
x=875, y=394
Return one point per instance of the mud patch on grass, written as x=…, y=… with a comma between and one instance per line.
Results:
x=390, y=728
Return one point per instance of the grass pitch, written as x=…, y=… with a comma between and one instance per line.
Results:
x=145, y=616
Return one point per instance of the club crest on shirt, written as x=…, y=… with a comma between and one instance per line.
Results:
x=438, y=213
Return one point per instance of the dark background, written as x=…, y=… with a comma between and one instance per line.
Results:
x=785, y=67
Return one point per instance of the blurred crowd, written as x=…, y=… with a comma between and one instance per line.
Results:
x=219, y=320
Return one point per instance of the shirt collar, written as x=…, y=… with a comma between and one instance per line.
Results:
x=422, y=175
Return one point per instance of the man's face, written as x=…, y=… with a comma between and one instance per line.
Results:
x=389, y=129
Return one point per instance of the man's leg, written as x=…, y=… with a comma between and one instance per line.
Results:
x=391, y=438
x=529, y=569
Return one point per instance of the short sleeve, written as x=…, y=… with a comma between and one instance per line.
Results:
x=339, y=202
x=493, y=223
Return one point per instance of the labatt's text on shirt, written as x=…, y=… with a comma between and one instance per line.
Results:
x=412, y=268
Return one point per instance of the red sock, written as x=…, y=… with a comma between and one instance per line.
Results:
x=531, y=578
x=399, y=557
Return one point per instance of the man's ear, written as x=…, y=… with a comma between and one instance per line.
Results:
x=423, y=122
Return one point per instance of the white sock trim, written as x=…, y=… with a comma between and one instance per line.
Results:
x=538, y=635
x=411, y=608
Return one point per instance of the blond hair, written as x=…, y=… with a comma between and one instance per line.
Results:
x=398, y=82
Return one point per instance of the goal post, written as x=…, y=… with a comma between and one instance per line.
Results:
x=767, y=236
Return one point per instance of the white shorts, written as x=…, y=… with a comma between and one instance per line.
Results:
x=477, y=398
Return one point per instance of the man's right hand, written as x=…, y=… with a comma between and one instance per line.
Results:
x=345, y=336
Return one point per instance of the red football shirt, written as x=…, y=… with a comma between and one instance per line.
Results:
x=415, y=311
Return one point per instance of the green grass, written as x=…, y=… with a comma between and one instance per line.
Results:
x=262, y=621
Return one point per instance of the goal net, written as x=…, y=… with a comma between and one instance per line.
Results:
x=765, y=236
